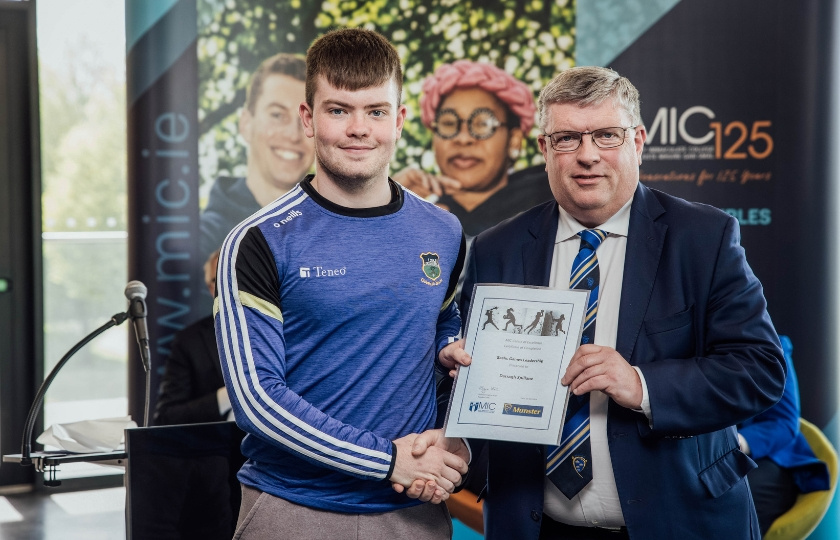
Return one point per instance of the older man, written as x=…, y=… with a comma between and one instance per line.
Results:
x=678, y=347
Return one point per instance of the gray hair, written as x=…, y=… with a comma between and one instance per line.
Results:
x=590, y=85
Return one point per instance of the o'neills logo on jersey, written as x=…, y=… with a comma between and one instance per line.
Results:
x=431, y=269
x=289, y=217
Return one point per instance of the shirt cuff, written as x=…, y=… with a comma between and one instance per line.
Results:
x=745, y=446
x=223, y=400
x=645, y=407
x=467, y=444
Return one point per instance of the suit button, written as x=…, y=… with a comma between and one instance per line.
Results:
x=535, y=515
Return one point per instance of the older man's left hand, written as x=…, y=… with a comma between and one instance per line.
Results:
x=594, y=367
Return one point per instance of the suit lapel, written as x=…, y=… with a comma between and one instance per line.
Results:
x=645, y=239
x=539, y=252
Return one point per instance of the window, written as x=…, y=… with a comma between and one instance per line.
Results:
x=81, y=55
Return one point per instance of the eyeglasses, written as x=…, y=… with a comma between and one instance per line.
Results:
x=569, y=141
x=482, y=124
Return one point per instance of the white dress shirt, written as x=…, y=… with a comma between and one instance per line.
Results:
x=597, y=504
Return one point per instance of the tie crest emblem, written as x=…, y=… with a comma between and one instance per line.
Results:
x=579, y=463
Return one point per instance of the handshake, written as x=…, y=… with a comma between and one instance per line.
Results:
x=429, y=466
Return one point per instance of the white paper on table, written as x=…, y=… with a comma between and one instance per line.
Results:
x=101, y=435
x=521, y=340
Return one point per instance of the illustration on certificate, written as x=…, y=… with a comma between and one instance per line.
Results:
x=521, y=340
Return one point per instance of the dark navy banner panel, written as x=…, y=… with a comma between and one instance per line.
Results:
x=734, y=99
x=163, y=184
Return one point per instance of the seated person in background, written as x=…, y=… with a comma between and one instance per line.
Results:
x=279, y=155
x=192, y=389
x=479, y=114
x=786, y=464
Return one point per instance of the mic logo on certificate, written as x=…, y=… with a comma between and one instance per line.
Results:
x=521, y=340
x=483, y=406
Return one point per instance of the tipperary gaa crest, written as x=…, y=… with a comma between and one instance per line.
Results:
x=431, y=267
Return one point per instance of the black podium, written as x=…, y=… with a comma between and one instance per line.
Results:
x=181, y=481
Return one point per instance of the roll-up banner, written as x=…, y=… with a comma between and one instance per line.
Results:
x=198, y=151
x=735, y=96
x=162, y=98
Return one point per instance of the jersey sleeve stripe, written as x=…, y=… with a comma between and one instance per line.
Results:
x=257, y=405
x=266, y=308
x=244, y=393
x=303, y=450
x=448, y=301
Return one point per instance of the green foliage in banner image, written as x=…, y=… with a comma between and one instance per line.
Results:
x=533, y=40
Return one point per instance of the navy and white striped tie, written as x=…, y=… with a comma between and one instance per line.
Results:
x=569, y=465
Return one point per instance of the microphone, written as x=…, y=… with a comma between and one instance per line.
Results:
x=135, y=291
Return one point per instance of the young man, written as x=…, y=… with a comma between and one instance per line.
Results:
x=679, y=348
x=279, y=154
x=333, y=304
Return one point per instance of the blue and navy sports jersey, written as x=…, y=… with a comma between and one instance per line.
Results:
x=328, y=321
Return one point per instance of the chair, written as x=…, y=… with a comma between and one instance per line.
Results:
x=809, y=508
x=463, y=506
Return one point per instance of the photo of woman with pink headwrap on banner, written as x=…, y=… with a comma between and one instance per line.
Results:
x=479, y=115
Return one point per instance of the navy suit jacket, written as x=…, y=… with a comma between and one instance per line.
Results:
x=187, y=393
x=693, y=318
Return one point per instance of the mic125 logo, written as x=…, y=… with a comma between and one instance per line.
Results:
x=695, y=133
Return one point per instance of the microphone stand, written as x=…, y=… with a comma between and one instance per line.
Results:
x=26, y=444
x=137, y=309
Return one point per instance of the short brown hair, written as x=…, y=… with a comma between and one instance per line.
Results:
x=291, y=65
x=590, y=85
x=352, y=59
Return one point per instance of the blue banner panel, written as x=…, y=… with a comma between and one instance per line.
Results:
x=162, y=78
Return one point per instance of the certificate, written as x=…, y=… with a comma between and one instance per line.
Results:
x=521, y=340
